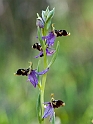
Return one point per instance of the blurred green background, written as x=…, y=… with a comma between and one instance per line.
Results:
x=71, y=76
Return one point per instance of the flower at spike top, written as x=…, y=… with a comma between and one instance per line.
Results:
x=50, y=38
x=40, y=22
x=32, y=74
x=49, y=41
x=49, y=110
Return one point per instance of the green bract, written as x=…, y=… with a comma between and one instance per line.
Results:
x=47, y=17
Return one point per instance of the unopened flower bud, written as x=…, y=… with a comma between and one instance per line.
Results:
x=40, y=22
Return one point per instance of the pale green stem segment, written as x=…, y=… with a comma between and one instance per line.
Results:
x=44, y=76
x=47, y=17
x=53, y=120
x=41, y=84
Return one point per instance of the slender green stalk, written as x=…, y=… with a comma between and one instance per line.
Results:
x=53, y=120
x=42, y=91
x=47, y=18
x=45, y=75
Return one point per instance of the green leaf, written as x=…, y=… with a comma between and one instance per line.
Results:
x=39, y=36
x=39, y=114
x=50, y=14
x=49, y=18
x=45, y=13
x=48, y=24
x=47, y=9
x=38, y=69
x=55, y=55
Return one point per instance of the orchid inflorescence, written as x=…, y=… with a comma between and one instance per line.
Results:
x=46, y=40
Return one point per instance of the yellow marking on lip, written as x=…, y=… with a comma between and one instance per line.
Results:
x=68, y=34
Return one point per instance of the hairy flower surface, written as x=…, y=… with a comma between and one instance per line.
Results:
x=32, y=77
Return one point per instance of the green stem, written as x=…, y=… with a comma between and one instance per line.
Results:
x=44, y=76
x=53, y=120
x=42, y=91
x=43, y=84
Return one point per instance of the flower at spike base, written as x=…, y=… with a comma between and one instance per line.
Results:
x=32, y=74
x=49, y=110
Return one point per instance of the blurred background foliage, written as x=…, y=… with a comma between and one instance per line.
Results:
x=71, y=76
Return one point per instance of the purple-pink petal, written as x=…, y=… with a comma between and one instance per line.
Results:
x=39, y=55
x=46, y=103
x=50, y=39
x=52, y=114
x=49, y=111
x=42, y=72
x=49, y=52
x=32, y=78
